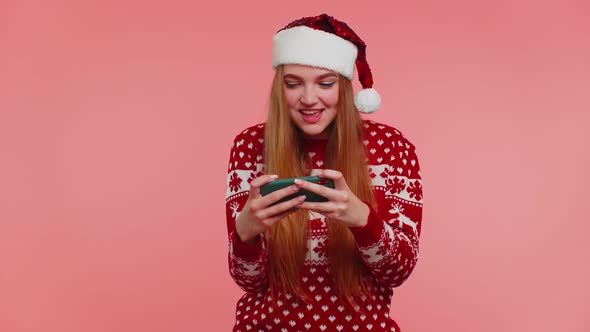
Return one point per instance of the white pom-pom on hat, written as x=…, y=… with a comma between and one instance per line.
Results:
x=367, y=100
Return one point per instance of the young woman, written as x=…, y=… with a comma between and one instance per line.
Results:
x=321, y=266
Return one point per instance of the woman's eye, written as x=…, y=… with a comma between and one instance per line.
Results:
x=323, y=84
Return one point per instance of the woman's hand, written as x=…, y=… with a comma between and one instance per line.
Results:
x=342, y=204
x=257, y=214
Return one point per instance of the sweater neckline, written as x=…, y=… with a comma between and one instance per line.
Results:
x=316, y=142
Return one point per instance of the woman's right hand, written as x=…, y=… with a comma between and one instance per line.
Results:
x=257, y=214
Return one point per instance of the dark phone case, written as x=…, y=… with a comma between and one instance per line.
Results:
x=309, y=196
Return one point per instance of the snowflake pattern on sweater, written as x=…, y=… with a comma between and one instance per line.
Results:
x=388, y=243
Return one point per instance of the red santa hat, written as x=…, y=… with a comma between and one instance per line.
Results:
x=322, y=41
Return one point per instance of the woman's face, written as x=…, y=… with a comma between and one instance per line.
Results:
x=312, y=96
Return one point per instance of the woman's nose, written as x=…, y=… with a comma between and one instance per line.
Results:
x=309, y=95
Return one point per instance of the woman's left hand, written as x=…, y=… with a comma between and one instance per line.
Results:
x=342, y=204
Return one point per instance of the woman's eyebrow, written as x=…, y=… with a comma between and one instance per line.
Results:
x=319, y=77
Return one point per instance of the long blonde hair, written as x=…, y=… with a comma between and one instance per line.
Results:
x=283, y=155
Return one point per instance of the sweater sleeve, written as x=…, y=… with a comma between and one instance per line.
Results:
x=388, y=243
x=247, y=263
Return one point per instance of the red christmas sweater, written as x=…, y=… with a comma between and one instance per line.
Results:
x=388, y=243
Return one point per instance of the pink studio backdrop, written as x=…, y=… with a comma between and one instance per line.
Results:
x=116, y=120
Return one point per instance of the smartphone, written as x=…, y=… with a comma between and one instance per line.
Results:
x=309, y=196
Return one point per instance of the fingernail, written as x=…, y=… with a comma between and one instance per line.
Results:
x=298, y=181
x=274, y=176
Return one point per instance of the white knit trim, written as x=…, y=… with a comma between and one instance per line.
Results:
x=306, y=46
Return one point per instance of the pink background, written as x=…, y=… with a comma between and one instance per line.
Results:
x=117, y=118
